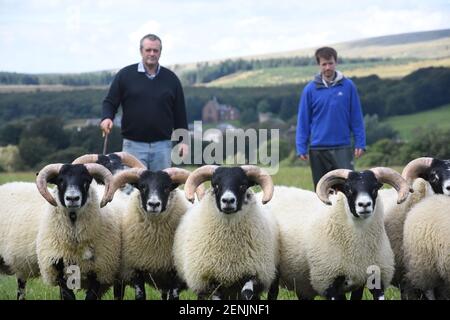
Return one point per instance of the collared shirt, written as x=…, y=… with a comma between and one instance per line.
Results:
x=141, y=68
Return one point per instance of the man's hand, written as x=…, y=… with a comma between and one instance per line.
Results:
x=358, y=153
x=106, y=126
x=303, y=157
x=183, y=150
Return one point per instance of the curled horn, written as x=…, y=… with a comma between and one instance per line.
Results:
x=101, y=173
x=48, y=172
x=87, y=158
x=130, y=160
x=415, y=167
x=196, y=178
x=262, y=178
x=126, y=176
x=328, y=181
x=392, y=177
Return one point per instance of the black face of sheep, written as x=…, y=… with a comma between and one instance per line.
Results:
x=361, y=191
x=112, y=162
x=230, y=186
x=73, y=182
x=438, y=175
x=361, y=188
x=155, y=189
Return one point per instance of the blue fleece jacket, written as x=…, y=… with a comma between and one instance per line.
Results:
x=328, y=115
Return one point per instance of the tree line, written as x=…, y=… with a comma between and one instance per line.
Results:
x=421, y=90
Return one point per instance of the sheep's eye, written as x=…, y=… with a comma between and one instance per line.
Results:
x=243, y=187
x=167, y=190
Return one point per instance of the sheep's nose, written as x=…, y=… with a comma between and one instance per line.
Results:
x=72, y=198
x=228, y=201
x=364, y=204
x=154, y=204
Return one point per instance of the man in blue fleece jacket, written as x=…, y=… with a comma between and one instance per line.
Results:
x=329, y=113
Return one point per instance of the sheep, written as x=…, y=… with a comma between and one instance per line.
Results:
x=20, y=212
x=426, y=245
x=115, y=163
x=427, y=176
x=74, y=231
x=21, y=205
x=226, y=246
x=285, y=205
x=329, y=250
x=148, y=228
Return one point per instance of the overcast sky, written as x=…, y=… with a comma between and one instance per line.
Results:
x=38, y=36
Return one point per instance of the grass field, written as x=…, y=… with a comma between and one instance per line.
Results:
x=292, y=75
x=407, y=124
x=36, y=290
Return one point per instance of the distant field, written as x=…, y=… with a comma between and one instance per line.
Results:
x=406, y=125
x=37, y=290
x=292, y=75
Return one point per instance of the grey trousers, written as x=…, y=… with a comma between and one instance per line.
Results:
x=326, y=160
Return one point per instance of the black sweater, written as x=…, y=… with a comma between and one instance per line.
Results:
x=151, y=108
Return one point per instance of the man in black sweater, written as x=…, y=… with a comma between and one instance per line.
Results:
x=153, y=106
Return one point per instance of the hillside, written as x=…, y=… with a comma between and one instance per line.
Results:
x=298, y=74
x=421, y=45
x=406, y=125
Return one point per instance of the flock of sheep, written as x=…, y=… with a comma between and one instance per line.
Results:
x=132, y=226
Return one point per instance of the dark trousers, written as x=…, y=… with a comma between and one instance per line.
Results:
x=326, y=160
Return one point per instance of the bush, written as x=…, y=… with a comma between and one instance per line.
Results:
x=34, y=150
x=10, y=159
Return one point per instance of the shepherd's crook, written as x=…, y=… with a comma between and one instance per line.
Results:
x=105, y=142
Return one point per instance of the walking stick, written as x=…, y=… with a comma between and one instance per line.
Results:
x=105, y=142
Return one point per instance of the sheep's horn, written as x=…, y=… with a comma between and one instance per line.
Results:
x=415, y=167
x=131, y=175
x=392, y=177
x=328, y=181
x=87, y=158
x=130, y=161
x=101, y=173
x=46, y=173
x=262, y=178
x=196, y=178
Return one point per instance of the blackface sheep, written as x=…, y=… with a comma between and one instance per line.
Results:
x=76, y=230
x=330, y=250
x=226, y=246
x=148, y=229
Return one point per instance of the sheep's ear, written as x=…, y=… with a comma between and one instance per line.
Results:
x=338, y=187
x=53, y=180
x=173, y=186
x=99, y=181
x=134, y=184
x=252, y=183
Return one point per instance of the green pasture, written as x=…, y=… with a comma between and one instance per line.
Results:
x=408, y=124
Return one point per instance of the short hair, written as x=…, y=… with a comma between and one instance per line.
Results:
x=325, y=53
x=152, y=37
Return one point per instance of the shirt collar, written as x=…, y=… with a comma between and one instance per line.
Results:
x=141, y=68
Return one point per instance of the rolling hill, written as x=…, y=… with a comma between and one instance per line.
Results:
x=398, y=56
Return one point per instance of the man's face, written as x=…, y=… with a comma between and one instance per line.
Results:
x=151, y=51
x=327, y=67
